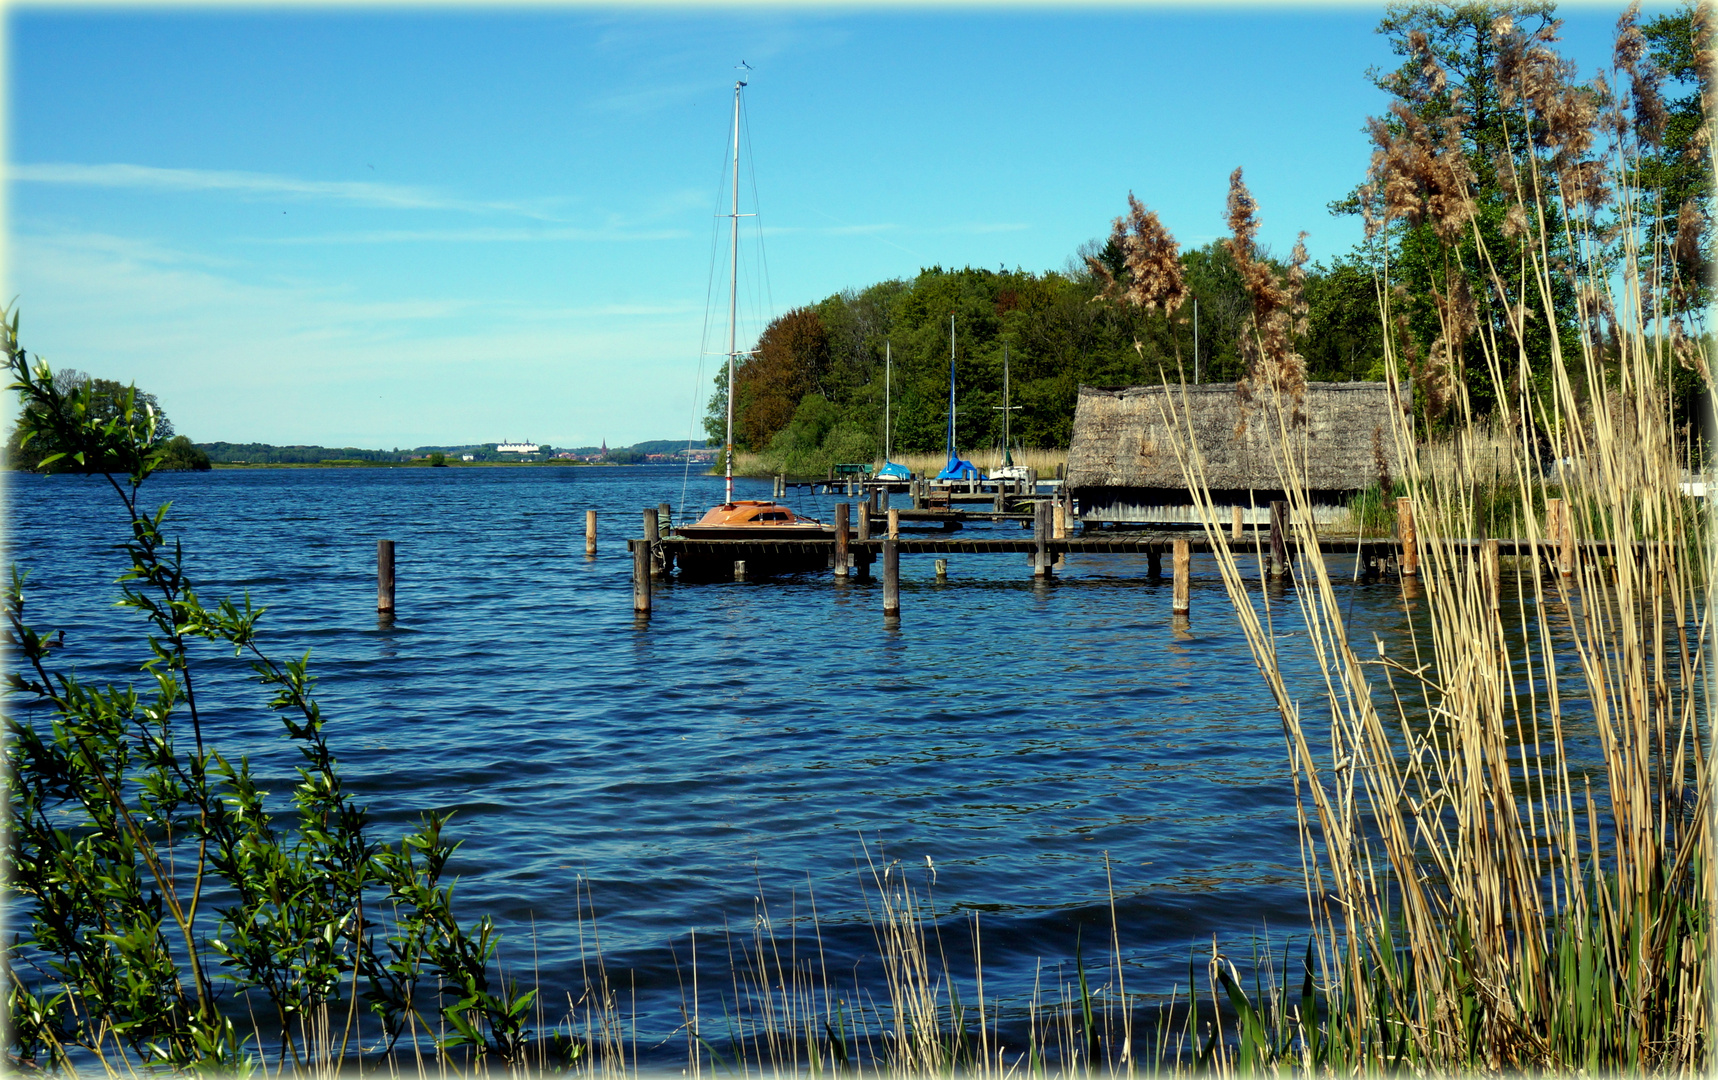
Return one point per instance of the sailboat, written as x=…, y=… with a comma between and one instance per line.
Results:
x=889, y=469
x=1009, y=470
x=741, y=519
x=957, y=468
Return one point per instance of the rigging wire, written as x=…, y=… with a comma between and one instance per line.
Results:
x=704, y=334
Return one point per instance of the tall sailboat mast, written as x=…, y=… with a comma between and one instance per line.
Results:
x=888, y=372
x=733, y=290
x=951, y=453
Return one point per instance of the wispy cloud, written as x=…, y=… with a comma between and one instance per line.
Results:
x=982, y=227
x=478, y=236
x=355, y=192
x=238, y=354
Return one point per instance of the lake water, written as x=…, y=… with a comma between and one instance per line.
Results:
x=753, y=743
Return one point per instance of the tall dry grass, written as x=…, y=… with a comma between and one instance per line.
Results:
x=1507, y=819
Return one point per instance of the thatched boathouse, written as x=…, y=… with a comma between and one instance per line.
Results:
x=1122, y=464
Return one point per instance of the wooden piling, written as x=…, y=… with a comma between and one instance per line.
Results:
x=1490, y=572
x=1041, y=536
x=739, y=569
x=665, y=516
x=1410, y=540
x=1565, y=538
x=385, y=577
x=894, y=524
x=999, y=501
x=942, y=569
x=653, y=536
x=590, y=534
x=864, y=522
x=640, y=577
x=1154, y=563
x=1279, y=542
x=1553, y=527
x=1183, y=569
x=891, y=576
x=1059, y=521
x=1235, y=528
x=841, y=539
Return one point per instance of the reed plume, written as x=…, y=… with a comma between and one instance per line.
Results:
x=1275, y=371
x=1151, y=261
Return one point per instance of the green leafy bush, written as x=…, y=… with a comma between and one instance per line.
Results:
x=163, y=913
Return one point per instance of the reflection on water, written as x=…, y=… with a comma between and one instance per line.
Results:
x=748, y=740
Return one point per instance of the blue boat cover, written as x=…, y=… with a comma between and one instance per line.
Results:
x=959, y=469
x=892, y=471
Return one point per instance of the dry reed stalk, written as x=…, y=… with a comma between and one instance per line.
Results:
x=1507, y=872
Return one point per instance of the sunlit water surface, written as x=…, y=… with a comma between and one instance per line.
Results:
x=753, y=743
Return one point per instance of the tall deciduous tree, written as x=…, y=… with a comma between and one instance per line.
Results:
x=103, y=399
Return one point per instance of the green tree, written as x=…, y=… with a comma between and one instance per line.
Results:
x=1677, y=168
x=98, y=400
x=790, y=360
x=180, y=454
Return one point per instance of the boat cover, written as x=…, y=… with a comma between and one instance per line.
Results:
x=892, y=471
x=960, y=469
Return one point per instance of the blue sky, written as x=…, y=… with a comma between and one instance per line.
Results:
x=400, y=227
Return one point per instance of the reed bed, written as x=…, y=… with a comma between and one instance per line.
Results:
x=1507, y=819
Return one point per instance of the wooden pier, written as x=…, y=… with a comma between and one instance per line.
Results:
x=852, y=552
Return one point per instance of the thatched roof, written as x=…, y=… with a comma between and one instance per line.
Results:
x=1123, y=438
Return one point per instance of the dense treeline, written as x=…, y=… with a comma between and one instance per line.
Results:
x=813, y=387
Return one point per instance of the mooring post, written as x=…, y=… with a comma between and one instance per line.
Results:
x=653, y=537
x=1154, y=563
x=1235, y=528
x=891, y=576
x=1000, y=500
x=665, y=515
x=1490, y=573
x=942, y=569
x=590, y=534
x=640, y=576
x=385, y=577
x=894, y=524
x=1410, y=540
x=1553, y=527
x=1032, y=480
x=1183, y=568
x=1565, y=539
x=864, y=522
x=1059, y=521
x=841, y=539
x=917, y=493
x=739, y=569
x=1041, y=538
x=1279, y=542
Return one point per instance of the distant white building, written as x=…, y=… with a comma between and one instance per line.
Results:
x=516, y=448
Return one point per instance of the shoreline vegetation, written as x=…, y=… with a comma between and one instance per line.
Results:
x=1506, y=813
